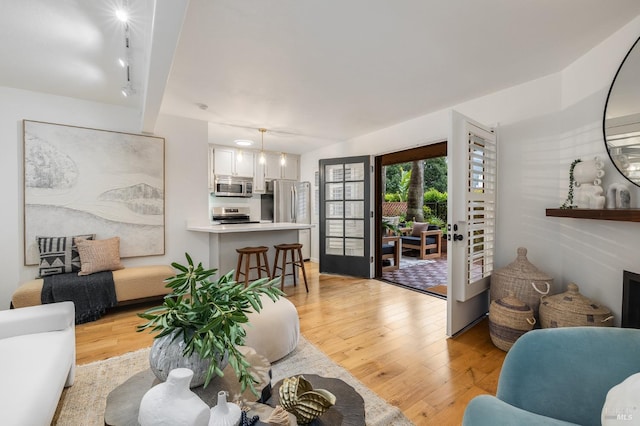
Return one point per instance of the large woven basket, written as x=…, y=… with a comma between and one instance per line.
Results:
x=509, y=318
x=572, y=309
x=521, y=277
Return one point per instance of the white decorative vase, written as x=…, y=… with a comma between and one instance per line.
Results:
x=589, y=171
x=167, y=354
x=172, y=403
x=225, y=413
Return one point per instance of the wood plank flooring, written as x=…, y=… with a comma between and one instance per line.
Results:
x=392, y=339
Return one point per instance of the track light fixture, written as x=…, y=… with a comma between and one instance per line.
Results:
x=125, y=62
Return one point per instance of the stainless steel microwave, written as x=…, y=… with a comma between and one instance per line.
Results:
x=233, y=186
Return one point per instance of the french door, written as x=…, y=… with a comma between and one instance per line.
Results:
x=472, y=158
x=345, y=216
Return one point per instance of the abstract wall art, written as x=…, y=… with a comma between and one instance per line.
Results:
x=87, y=181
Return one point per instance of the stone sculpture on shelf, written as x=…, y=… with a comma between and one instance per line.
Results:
x=618, y=196
x=587, y=176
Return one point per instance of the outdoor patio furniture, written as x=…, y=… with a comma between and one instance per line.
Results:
x=425, y=238
x=391, y=248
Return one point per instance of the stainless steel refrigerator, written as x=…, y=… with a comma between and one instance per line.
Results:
x=289, y=201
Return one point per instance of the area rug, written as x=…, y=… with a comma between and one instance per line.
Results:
x=85, y=401
x=428, y=276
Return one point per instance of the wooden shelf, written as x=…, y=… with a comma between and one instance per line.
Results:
x=622, y=215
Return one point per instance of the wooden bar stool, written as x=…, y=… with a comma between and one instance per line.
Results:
x=261, y=264
x=296, y=260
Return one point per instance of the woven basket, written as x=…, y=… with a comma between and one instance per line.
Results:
x=509, y=318
x=522, y=278
x=571, y=309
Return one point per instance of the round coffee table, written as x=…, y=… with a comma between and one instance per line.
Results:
x=123, y=403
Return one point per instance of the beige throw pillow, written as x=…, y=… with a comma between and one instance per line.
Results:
x=99, y=255
x=418, y=227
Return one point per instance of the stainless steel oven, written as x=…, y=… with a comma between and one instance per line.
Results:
x=233, y=186
x=230, y=215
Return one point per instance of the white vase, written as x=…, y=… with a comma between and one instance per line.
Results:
x=224, y=413
x=590, y=171
x=172, y=403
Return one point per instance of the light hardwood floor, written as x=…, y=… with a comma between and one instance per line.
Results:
x=393, y=340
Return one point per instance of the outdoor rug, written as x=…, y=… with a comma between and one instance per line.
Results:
x=426, y=276
x=84, y=402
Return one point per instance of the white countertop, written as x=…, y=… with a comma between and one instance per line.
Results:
x=248, y=227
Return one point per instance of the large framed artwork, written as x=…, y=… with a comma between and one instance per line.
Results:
x=80, y=181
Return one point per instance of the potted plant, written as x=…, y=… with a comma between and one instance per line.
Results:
x=206, y=318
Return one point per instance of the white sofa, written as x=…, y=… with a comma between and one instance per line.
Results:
x=37, y=360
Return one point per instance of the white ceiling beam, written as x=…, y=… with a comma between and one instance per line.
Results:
x=168, y=18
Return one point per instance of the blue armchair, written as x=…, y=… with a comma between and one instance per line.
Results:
x=558, y=376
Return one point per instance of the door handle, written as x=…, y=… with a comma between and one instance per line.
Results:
x=458, y=237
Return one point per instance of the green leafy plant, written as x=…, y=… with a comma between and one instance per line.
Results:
x=392, y=197
x=390, y=227
x=434, y=220
x=209, y=316
x=568, y=204
x=434, y=196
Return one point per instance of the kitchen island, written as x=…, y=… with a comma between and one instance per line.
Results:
x=225, y=239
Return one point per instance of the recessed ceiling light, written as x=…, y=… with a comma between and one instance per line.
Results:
x=243, y=142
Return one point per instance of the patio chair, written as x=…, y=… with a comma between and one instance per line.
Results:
x=391, y=248
x=425, y=238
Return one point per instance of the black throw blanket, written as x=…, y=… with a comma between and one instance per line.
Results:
x=92, y=294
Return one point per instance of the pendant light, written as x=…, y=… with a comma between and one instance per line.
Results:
x=262, y=158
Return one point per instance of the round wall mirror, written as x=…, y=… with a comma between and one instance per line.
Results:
x=621, y=124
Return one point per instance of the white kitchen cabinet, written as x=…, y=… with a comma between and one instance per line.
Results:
x=223, y=160
x=272, y=168
x=290, y=168
x=232, y=162
x=244, y=163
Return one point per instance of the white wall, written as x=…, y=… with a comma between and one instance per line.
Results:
x=186, y=179
x=186, y=189
x=16, y=105
x=543, y=126
x=535, y=154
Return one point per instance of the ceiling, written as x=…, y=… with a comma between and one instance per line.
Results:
x=312, y=73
